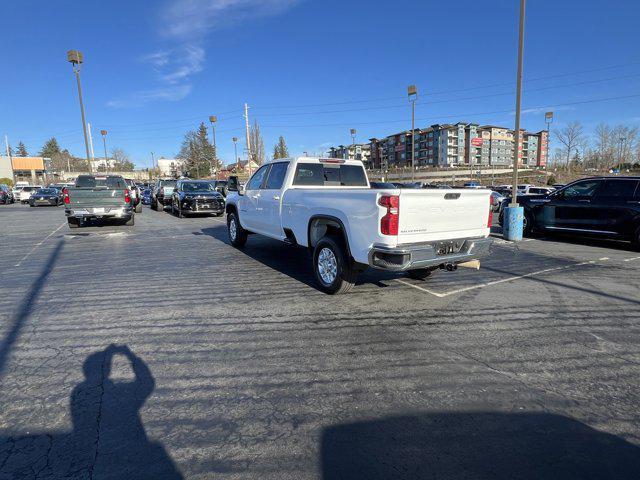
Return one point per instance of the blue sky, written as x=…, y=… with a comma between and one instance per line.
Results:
x=310, y=70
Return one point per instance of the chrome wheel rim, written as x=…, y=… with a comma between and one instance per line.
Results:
x=327, y=266
x=233, y=230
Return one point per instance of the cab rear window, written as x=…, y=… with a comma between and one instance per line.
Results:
x=107, y=182
x=317, y=174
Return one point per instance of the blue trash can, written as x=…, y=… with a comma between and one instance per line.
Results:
x=512, y=225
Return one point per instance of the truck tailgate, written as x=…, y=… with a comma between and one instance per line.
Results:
x=442, y=214
x=95, y=197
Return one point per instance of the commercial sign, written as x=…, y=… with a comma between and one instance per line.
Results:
x=476, y=142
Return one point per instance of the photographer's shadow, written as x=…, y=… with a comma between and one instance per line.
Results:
x=108, y=439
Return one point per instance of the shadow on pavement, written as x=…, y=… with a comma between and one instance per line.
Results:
x=108, y=439
x=26, y=307
x=475, y=446
x=294, y=262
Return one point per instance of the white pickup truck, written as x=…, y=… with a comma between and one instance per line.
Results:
x=328, y=206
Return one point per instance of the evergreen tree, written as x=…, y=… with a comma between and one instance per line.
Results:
x=50, y=148
x=198, y=153
x=280, y=150
x=22, y=150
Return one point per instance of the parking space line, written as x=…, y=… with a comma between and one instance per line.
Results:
x=503, y=280
x=631, y=259
x=38, y=244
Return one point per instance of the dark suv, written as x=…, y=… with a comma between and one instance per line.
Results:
x=196, y=196
x=601, y=206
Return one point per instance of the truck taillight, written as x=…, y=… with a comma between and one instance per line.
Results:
x=490, y=219
x=127, y=196
x=390, y=221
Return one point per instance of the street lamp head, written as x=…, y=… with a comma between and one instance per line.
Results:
x=103, y=132
x=548, y=117
x=234, y=139
x=213, y=118
x=412, y=91
x=353, y=131
x=75, y=57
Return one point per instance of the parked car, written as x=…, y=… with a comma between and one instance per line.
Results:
x=6, y=194
x=496, y=200
x=327, y=206
x=145, y=196
x=24, y=194
x=196, y=196
x=161, y=196
x=46, y=197
x=98, y=196
x=134, y=191
x=606, y=207
x=221, y=187
x=472, y=185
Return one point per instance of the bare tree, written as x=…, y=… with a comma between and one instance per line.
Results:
x=257, y=144
x=572, y=139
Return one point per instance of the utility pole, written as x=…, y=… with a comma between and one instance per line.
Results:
x=353, y=142
x=235, y=149
x=213, y=119
x=104, y=142
x=246, y=123
x=153, y=164
x=76, y=59
x=6, y=144
x=93, y=156
x=514, y=215
x=412, y=92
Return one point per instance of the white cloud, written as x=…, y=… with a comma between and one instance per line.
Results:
x=186, y=24
x=138, y=99
x=194, y=19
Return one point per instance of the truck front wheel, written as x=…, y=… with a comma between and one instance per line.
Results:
x=334, y=271
x=73, y=222
x=237, y=234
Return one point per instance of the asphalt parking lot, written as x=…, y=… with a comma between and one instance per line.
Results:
x=230, y=364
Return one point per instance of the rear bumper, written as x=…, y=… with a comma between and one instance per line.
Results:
x=109, y=212
x=424, y=255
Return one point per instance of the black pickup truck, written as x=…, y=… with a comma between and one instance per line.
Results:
x=607, y=207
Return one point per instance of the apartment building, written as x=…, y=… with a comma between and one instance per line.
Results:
x=359, y=151
x=459, y=144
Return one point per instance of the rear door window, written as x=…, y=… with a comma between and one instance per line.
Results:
x=276, y=176
x=583, y=189
x=618, y=189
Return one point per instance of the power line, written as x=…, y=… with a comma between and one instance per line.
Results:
x=458, y=115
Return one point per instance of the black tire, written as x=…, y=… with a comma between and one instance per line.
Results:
x=131, y=221
x=528, y=226
x=153, y=205
x=218, y=214
x=73, y=222
x=419, y=273
x=237, y=234
x=344, y=277
x=138, y=208
x=635, y=241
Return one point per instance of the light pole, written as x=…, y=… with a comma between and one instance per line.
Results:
x=235, y=150
x=353, y=142
x=76, y=59
x=548, y=119
x=412, y=93
x=622, y=140
x=104, y=142
x=153, y=164
x=513, y=225
x=213, y=119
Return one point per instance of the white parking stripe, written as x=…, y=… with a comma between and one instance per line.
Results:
x=504, y=280
x=631, y=259
x=38, y=244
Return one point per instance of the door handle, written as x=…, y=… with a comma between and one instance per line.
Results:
x=276, y=197
x=255, y=196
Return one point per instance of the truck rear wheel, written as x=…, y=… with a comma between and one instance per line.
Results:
x=73, y=222
x=237, y=234
x=131, y=221
x=334, y=271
